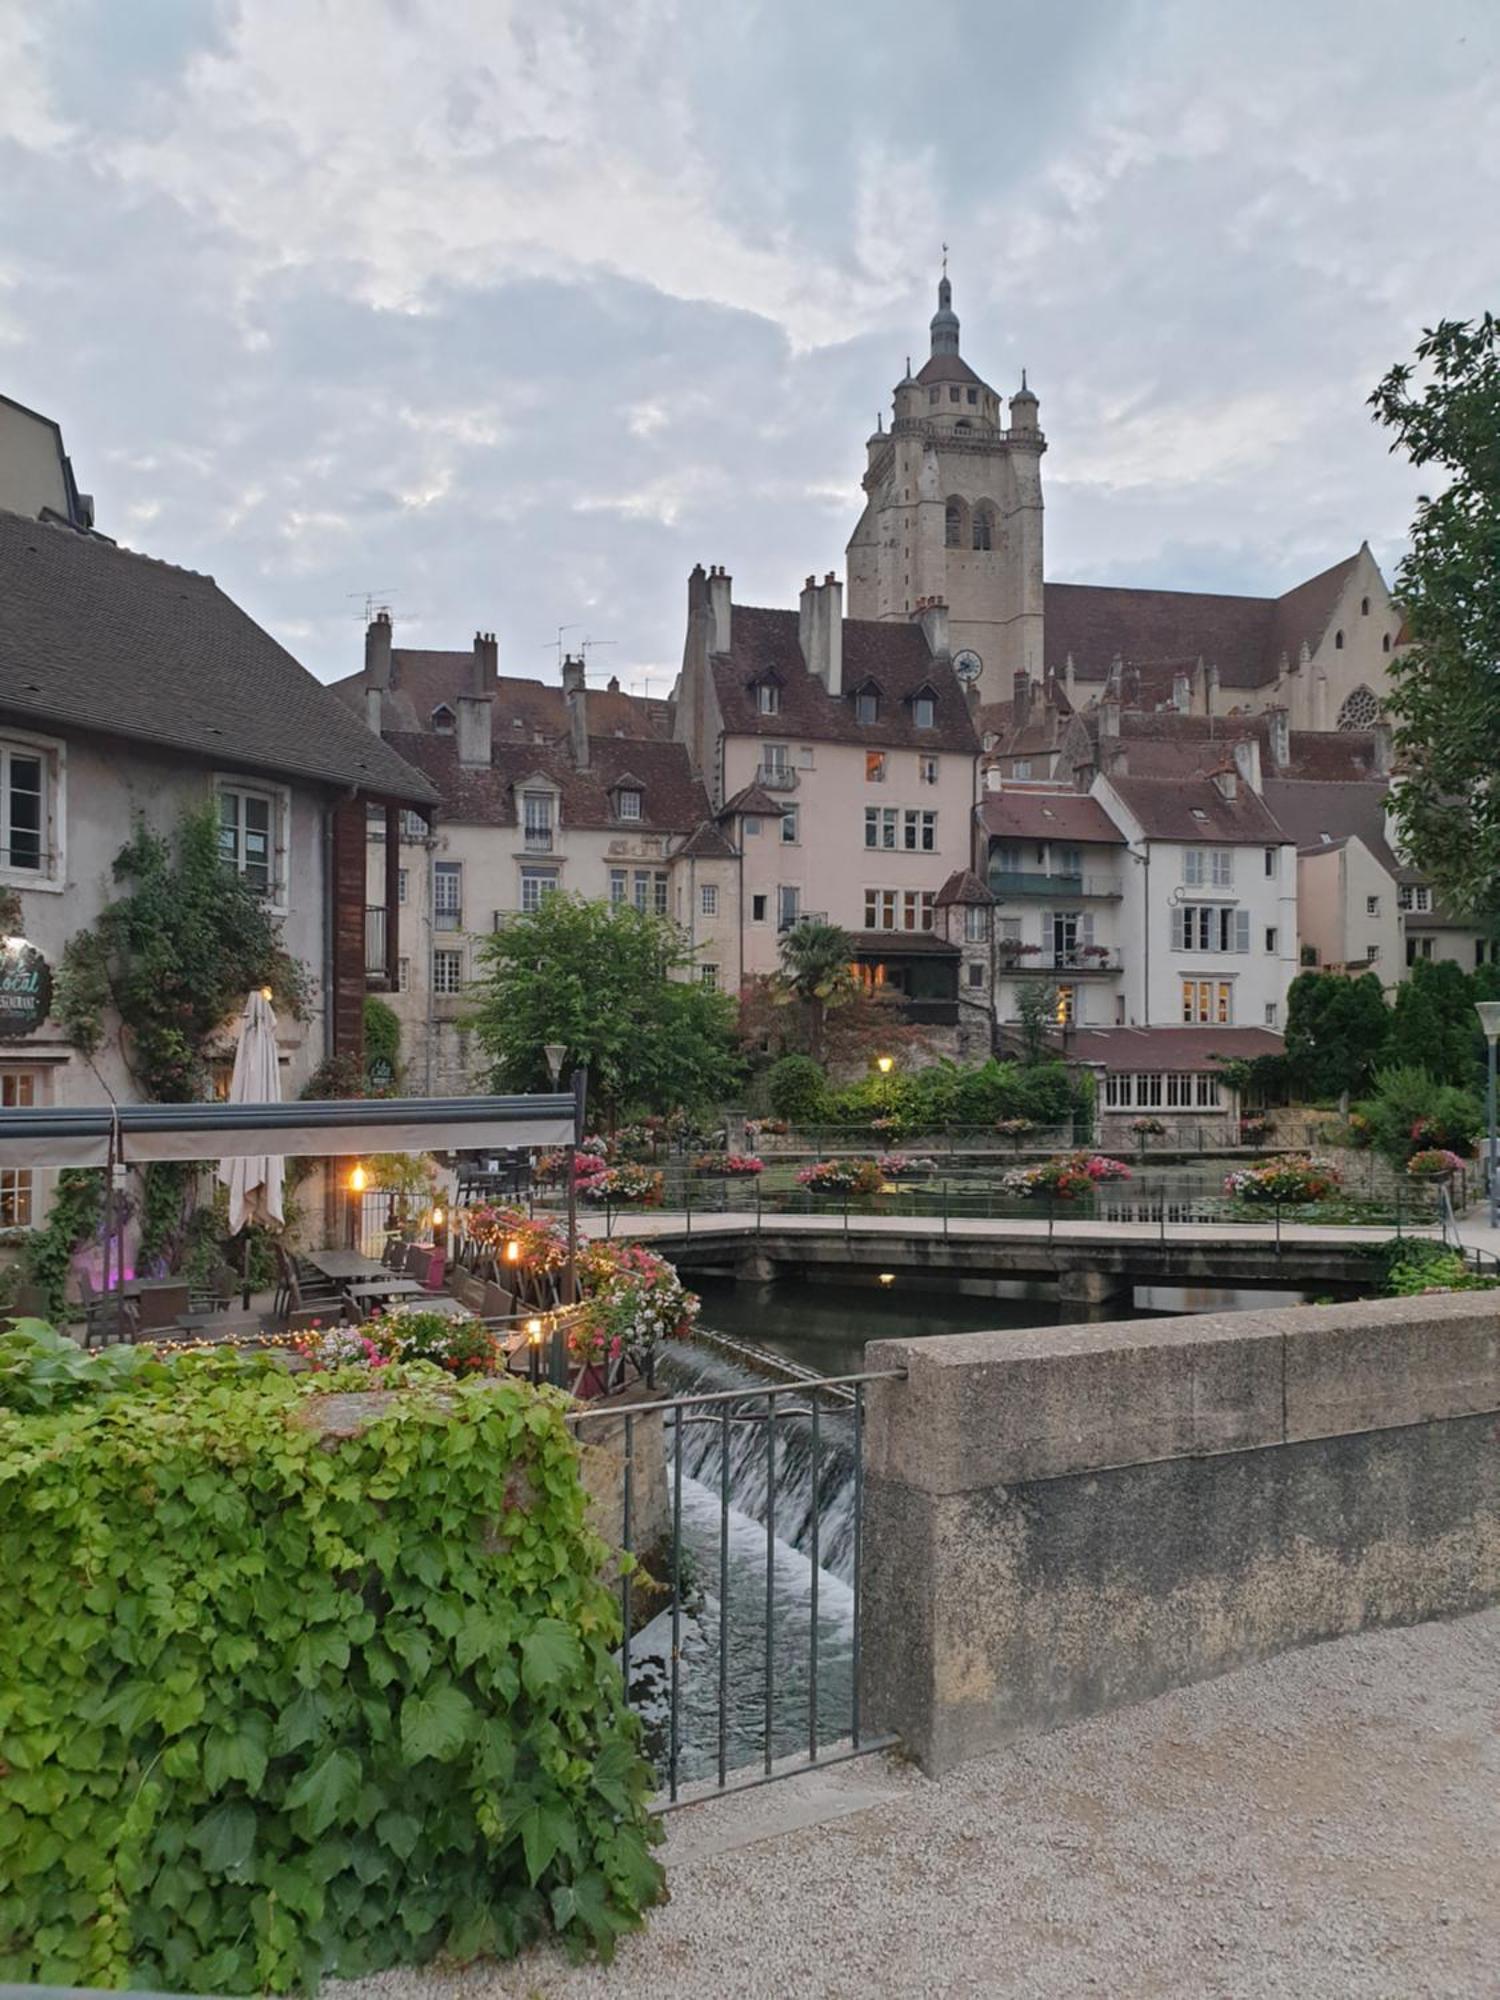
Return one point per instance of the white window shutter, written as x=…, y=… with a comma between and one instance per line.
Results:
x=1242, y=930
x=1179, y=928
x=1086, y=927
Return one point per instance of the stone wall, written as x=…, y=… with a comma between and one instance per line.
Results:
x=1065, y=1520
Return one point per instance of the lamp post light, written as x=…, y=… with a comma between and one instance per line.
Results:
x=1489, y=1020
x=359, y=1180
x=554, y=1052
x=885, y=1064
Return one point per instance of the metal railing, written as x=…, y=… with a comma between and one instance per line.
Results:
x=777, y=1688
x=1023, y=882
x=776, y=778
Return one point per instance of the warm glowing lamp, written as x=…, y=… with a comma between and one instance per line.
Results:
x=885, y=1064
x=358, y=1180
x=887, y=1277
x=513, y=1251
x=534, y=1331
x=437, y=1218
x=265, y=993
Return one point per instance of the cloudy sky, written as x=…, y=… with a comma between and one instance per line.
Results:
x=508, y=313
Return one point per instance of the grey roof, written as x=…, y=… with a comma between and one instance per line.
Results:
x=100, y=638
x=1308, y=809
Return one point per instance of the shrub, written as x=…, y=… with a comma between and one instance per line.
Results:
x=275, y=1711
x=796, y=1087
x=1410, y=1111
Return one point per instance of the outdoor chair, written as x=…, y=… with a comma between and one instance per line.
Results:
x=217, y=1294
x=314, y=1295
x=394, y=1258
x=418, y=1259
x=496, y=1303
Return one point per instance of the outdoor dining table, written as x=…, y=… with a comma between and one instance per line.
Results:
x=346, y=1266
x=388, y=1287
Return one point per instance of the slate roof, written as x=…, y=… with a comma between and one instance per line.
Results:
x=1244, y=637
x=707, y=843
x=1025, y=815
x=672, y=800
x=1171, y=1048
x=902, y=944
x=1170, y=809
x=894, y=656
x=98, y=637
x=753, y=799
x=948, y=368
x=423, y=680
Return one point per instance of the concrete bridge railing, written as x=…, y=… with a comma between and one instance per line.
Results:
x=1064, y=1521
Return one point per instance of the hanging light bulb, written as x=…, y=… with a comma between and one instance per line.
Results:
x=513, y=1251
x=358, y=1180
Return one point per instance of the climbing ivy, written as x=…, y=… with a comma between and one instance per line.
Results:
x=76, y=1211
x=280, y=1701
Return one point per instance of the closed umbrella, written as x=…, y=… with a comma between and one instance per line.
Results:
x=254, y=1179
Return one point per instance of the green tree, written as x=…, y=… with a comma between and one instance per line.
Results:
x=1036, y=1004
x=597, y=977
x=1433, y=1021
x=1336, y=1032
x=1447, y=695
x=796, y=1087
x=817, y=968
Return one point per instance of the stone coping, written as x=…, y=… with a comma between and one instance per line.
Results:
x=980, y=1410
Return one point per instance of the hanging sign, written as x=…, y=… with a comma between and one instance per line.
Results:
x=379, y=1074
x=25, y=989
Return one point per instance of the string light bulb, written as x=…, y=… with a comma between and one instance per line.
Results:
x=437, y=1218
x=358, y=1180
x=513, y=1251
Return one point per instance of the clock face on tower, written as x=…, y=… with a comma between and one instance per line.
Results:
x=968, y=666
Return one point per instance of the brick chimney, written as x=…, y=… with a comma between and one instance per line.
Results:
x=820, y=630
x=720, y=609
x=377, y=668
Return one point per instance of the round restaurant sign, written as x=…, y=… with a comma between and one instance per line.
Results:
x=25, y=990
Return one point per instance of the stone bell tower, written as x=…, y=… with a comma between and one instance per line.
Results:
x=953, y=509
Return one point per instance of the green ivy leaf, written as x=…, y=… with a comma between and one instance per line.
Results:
x=549, y=1653
x=546, y=1831
x=436, y=1724
x=225, y=1836
x=241, y=1753
x=399, y=1831
x=328, y=1788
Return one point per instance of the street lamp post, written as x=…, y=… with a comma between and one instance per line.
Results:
x=1489, y=1020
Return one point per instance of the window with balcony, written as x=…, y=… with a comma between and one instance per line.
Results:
x=775, y=765
x=788, y=907
x=447, y=895
x=919, y=832
x=536, y=883
x=250, y=836
x=708, y=899
x=536, y=820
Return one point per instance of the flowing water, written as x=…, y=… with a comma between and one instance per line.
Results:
x=822, y=1328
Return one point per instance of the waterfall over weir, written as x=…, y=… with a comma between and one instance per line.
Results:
x=802, y=1493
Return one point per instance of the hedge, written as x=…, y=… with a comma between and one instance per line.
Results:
x=276, y=1704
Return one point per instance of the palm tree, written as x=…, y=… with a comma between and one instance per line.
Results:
x=817, y=968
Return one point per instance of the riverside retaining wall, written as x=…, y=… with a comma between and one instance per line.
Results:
x=1068, y=1519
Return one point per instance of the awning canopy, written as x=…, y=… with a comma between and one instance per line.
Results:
x=80, y=1136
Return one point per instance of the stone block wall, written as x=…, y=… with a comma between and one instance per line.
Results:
x=1065, y=1520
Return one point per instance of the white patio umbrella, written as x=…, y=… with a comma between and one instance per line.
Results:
x=254, y=1180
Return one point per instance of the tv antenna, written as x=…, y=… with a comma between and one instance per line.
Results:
x=584, y=648
x=556, y=645
x=373, y=601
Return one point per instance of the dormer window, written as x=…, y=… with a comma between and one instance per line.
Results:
x=924, y=711
x=768, y=697
x=628, y=802
x=866, y=707
x=443, y=720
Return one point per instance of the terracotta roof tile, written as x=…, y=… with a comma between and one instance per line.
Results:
x=1026, y=815
x=1308, y=809
x=101, y=638
x=1171, y=1048
x=894, y=656
x=424, y=680
x=672, y=800
x=963, y=886
x=1194, y=809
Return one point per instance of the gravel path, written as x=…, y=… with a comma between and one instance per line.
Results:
x=1324, y=1824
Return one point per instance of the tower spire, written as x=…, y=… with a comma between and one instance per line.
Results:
x=945, y=319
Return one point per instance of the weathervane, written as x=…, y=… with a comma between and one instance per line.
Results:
x=945, y=260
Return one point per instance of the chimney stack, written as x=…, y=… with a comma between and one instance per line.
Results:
x=1109, y=717
x=1247, y=761
x=1280, y=737
x=1226, y=780
x=576, y=695
x=377, y=668
x=820, y=630
x=1021, y=699
x=720, y=608
x=1182, y=693
x=486, y=665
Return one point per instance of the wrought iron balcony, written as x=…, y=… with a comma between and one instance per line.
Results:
x=537, y=840
x=1084, y=958
x=777, y=778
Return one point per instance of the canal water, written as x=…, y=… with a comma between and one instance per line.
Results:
x=770, y=1694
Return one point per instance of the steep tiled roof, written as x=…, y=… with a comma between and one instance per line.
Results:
x=1034, y=815
x=963, y=886
x=1194, y=809
x=98, y=637
x=949, y=368
x=752, y=799
x=1171, y=1048
x=672, y=800
x=1244, y=637
x=902, y=944
x=1309, y=809
x=524, y=709
x=894, y=656
x=708, y=843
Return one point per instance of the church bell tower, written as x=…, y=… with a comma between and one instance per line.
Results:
x=953, y=509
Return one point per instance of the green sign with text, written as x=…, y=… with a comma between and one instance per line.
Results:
x=25, y=990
